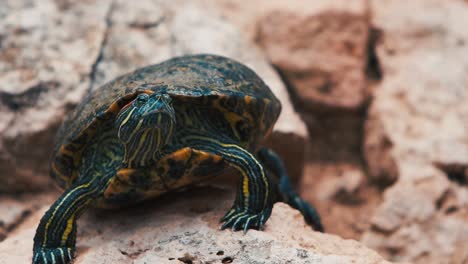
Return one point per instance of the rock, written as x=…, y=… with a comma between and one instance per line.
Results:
x=377, y=147
x=416, y=137
x=335, y=178
x=16, y=209
x=422, y=240
x=335, y=136
x=342, y=196
x=47, y=53
x=184, y=228
x=321, y=50
x=55, y=52
x=398, y=208
x=344, y=187
x=11, y=213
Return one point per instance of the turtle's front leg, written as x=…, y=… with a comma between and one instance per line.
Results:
x=55, y=237
x=253, y=204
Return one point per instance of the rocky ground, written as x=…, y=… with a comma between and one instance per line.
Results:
x=374, y=120
x=180, y=230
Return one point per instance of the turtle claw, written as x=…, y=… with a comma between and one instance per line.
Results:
x=238, y=219
x=61, y=255
x=227, y=215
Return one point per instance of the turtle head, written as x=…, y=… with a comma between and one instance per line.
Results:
x=145, y=126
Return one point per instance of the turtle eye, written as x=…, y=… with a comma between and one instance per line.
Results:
x=141, y=99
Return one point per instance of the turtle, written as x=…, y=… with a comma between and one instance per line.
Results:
x=163, y=128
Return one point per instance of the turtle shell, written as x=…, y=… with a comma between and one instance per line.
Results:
x=209, y=80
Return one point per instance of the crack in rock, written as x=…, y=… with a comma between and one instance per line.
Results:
x=103, y=44
x=148, y=25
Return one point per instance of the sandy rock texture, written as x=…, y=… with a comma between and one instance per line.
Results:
x=184, y=228
x=408, y=59
x=321, y=50
x=16, y=210
x=47, y=55
x=324, y=53
x=55, y=52
x=12, y=213
x=418, y=121
x=381, y=86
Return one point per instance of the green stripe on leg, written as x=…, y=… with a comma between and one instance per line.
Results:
x=253, y=204
x=55, y=237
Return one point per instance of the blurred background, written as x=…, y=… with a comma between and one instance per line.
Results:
x=374, y=95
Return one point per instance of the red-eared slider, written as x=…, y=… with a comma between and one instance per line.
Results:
x=162, y=128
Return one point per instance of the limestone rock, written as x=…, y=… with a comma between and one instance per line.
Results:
x=11, y=213
x=321, y=48
x=184, y=228
x=16, y=209
x=340, y=192
x=343, y=187
x=419, y=115
x=382, y=168
x=47, y=53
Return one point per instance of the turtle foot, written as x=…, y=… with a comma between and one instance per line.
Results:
x=308, y=211
x=244, y=219
x=61, y=255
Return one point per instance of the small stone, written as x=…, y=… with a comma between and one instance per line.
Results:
x=399, y=208
x=351, y=180
x=342, y=187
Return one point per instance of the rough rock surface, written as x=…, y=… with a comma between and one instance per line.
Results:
x=324, y=53
x=415, y=140
x=321, y=50
x=54, y=52
x=184, y=228
x=47, y=52
x=15, y=210
x=12, y=211
x=343, y=196
x=418, y=123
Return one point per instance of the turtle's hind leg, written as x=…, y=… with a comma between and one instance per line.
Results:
x=253, y=203
x=286, y=192
x=55, y=237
